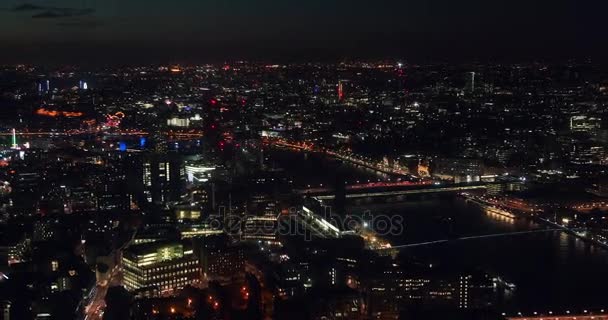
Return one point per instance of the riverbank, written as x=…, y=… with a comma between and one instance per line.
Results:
x=514, y=214
x=573, y=232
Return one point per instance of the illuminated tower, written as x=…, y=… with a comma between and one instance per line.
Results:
x=340, y=91
x=14, y=139
x=401, y=78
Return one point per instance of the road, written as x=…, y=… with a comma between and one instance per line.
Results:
x=94, y=302
x=94, y=310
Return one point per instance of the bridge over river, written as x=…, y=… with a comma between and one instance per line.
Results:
x=397, y=189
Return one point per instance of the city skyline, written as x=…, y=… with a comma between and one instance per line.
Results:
x=303, y=160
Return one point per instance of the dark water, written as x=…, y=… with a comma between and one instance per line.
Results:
x=552, y=270
x=314, y=169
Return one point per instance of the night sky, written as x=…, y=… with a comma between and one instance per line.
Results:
x=197, y=30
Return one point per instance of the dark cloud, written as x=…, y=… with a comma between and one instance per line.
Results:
x=47, y=12
x=50, y=13
x=81, y=24
x=27, y=7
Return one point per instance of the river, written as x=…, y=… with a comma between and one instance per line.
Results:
x=552, y=271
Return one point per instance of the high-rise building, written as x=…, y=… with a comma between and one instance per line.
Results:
x=160, y=267
x=340, y=90
x=44, y=87
x=158, y=178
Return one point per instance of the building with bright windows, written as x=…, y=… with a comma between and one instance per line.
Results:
x=199, y=172
x=585, y=123
x=178, y=122
x=159, y=267
x=157, y=178
x=187, y=212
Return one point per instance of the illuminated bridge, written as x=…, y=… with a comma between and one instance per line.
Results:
x=379, y=190
x=176, y=134
x=358, y=160
x=393, y=250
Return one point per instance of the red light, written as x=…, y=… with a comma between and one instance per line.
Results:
x=213, y=101
x=55, y=113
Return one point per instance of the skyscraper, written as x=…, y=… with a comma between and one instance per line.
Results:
x=471, y=83
x=158, y=178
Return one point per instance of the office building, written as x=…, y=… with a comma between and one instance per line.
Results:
x=158, y=178
x=159, y=267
